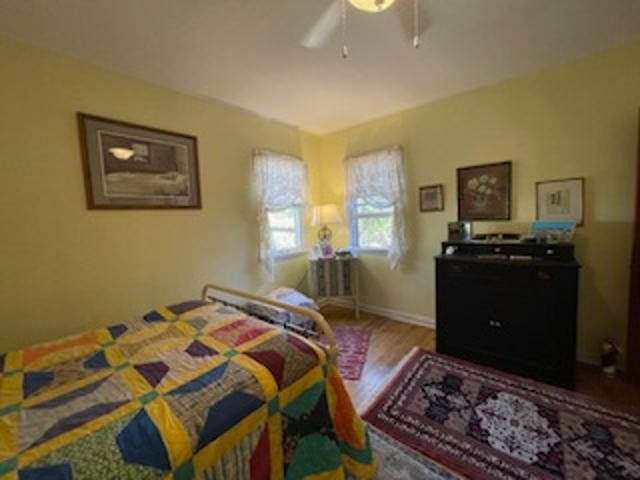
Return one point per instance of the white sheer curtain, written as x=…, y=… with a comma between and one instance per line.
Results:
x=280, y=181
x=377, y=178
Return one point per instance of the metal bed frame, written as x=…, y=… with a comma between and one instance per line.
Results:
x=317, y=317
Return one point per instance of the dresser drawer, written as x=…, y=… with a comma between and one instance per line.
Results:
x=497, y=274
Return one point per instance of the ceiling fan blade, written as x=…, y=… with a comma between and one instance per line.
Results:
x=326, y=25
x=406, y=13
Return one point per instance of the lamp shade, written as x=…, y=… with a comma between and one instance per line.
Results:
x=372, y=5
x=326, y=214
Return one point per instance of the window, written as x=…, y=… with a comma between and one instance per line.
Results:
x=371, y=227
x=287, y=232
x=280, y=186
x=375, y=195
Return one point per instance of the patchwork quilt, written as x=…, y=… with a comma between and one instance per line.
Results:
x=195, y=390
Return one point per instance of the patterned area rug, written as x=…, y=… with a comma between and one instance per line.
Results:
x=353, y=345
x=394, y=461
x=482, y=423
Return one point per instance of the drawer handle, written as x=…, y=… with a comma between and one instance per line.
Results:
x=544, y=276
x=495, y=324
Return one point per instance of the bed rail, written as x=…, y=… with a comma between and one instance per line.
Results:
x=317, y=317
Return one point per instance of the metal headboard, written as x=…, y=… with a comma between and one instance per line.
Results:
x=317, y=317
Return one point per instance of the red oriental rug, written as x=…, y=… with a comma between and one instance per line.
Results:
x=353, y=345
x=481, y=423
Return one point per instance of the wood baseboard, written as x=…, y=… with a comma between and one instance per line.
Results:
x=406, y=317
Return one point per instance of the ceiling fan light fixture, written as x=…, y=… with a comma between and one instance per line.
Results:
x=372, y=5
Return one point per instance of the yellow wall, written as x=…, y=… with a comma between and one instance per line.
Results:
x=580, y=119
x=64, y=268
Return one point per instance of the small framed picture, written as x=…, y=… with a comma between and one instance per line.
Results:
x=484, y=192
x=326, y=249
x=561, y=199
x=432, y=198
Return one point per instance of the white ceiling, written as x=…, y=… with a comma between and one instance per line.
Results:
x=248, y=52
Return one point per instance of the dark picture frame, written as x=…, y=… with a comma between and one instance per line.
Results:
x=130, y=166
x=427, y=202
x=572, y=187
x=484, y=192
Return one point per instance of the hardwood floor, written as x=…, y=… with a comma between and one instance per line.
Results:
x=392, y=340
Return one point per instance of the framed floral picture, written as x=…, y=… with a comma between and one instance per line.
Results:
x=431, y=198
x=484, y=192
x=561, y=199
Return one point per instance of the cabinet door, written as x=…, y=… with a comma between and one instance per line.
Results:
x=501, y=311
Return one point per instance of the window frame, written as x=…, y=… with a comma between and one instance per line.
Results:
x=354, y=216
x=298, y=230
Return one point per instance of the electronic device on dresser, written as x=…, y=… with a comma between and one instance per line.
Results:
x=511, y=306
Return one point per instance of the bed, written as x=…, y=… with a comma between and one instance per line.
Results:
x=194, y=390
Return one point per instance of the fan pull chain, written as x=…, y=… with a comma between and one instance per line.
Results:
x=416, y=24
x=345, y=49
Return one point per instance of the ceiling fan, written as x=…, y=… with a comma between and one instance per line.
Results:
x=334, y=18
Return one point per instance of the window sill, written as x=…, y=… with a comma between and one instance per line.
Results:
x=288, y=255
x=371, y=251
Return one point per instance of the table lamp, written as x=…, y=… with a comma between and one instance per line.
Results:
x=324, y=215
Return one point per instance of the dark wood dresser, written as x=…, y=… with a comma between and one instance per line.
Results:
x=511, y=306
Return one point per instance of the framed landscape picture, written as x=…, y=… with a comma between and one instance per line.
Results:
x=561, y=199
x=484, y=192
x=131, y=166
x=431, y=198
